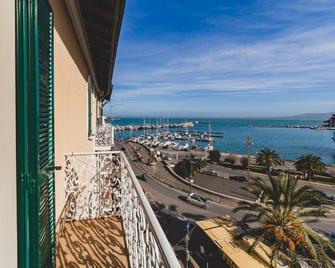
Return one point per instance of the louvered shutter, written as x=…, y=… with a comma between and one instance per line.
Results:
x=43, y=206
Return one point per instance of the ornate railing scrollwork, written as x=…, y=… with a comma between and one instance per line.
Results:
x=102, y=184
x=104, y=136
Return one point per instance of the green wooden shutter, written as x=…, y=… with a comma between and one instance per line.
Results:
x=23, y=176
x=35, y=134
x=89, y=108
x=44, y=213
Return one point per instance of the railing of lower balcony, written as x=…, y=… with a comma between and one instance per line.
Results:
x=104, y=136
x=103, y=184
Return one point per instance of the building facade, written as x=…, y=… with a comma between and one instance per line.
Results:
x=57, y=61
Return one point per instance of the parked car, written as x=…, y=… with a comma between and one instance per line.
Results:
x=143, y=177
x=197, y=200
x=238, y=178
x=167, y=158
x=211, y=172
x=332, y=237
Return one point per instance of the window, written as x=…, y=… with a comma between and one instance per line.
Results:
x=89, y=107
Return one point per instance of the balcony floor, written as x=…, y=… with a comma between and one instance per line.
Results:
x=92, y=243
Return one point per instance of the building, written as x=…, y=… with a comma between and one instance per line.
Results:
x=61, y=192
x=330, y=122
x=221, y=249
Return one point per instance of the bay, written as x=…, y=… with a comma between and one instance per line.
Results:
x=290, y=143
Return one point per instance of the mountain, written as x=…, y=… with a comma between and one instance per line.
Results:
x=314, y=115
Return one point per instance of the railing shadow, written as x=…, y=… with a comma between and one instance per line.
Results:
x=92, y=243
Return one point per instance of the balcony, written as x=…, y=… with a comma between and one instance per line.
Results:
x=104, y=138
x=107, y=220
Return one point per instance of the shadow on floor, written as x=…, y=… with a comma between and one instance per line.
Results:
x=95, y=243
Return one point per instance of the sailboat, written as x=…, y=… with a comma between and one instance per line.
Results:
x=209, y=146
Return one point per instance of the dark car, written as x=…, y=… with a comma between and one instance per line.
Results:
x=238, y=178
x=143, y=177
x=332, y=237
x=211, y=172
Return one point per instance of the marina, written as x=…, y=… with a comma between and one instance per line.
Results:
x=180, y=141
x=289, y=142
x=153, y=126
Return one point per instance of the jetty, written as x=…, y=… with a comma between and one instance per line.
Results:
x=153, y=126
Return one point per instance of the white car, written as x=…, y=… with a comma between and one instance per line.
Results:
x=197, y=200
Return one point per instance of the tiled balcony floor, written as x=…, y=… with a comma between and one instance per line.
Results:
x=97, y=243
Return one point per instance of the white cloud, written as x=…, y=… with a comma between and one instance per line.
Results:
x=299, y=58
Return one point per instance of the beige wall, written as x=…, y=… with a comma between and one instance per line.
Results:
x=8, y=221
x=71, y=93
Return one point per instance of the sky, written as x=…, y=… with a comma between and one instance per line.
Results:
x=225, y=58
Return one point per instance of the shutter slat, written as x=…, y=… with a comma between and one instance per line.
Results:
x=46, y=139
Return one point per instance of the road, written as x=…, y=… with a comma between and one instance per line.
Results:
x=232, y=188
x=174, y=202
x=226, y=172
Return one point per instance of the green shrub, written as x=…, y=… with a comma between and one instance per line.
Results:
x=215, y=155
x=231, y=159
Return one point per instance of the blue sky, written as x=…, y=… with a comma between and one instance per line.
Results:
x=225, y=58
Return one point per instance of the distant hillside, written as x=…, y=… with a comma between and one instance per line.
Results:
x=314, y=115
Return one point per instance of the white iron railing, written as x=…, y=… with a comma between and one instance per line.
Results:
x=102, y=184
x=104, y=135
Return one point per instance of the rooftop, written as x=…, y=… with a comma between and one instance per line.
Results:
x=221, y=232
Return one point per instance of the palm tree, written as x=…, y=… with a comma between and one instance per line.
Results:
x=199, y=164
x=268, y=158
x=277, y=220
x=152, y=157
x=310, y=165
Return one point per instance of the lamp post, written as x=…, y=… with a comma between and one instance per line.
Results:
x=249, y=141
x=191, y=182
x=189, y=146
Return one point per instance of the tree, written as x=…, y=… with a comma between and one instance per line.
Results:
x=244, y=161
x=268, y=158
x=231, y=159
x=152, y=157
x=184, y=168
x=198, y=164
x=215, y=156
x=277, y=220
x=310, y=165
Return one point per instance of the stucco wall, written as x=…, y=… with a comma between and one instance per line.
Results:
x=8, y=223
x=71, y=92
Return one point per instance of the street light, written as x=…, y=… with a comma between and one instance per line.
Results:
x=189, y=145
x=249, y=141
x=191, y=182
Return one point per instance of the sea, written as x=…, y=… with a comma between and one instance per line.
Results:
x=290, y=143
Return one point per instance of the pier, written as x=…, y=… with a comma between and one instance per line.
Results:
x=157, y=126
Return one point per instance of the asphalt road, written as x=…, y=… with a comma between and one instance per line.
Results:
x=234, y=189
x=173, y=202
x=226, y=172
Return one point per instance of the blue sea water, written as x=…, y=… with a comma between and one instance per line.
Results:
x=290, y=143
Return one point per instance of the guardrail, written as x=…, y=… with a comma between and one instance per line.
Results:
x=103, y=184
